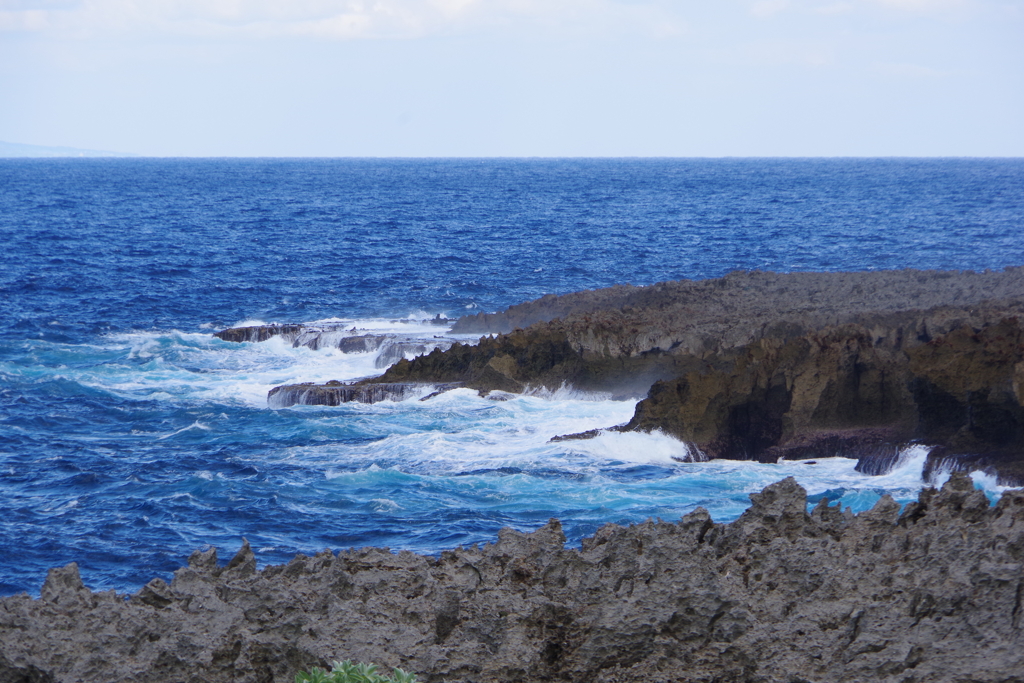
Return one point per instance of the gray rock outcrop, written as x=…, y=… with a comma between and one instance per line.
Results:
x=933, y=593
x=390, y=348
x=698, y=316
x=762, y=366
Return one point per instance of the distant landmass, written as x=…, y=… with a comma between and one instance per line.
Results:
x=14, y=149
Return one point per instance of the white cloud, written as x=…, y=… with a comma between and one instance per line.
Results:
x=24, y=20
x=328, y=18
x=909, y=70
x=767, y=8
x=348, y=19
x=922, y=6
x=834, y=8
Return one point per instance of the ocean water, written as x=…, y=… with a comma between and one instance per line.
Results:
x=130, y=436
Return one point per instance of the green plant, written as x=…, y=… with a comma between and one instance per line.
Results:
x=349, y=672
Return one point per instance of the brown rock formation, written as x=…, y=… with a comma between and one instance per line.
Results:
x=666, y=330
x=259, y=333
x=779, y=595
x=751, y=403
x=707, y=315
x=767, y=365
x=845, y=391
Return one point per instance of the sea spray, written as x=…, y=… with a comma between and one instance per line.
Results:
x=417, y=474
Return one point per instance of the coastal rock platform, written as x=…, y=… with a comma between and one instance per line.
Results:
x=934, y=592
x=763, y=366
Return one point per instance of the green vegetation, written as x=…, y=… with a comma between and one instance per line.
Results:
x=348, y=672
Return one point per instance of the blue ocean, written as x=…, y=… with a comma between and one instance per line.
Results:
x=130, y=436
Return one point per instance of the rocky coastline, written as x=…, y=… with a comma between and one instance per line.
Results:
x=751, y=366
x=756, y=366
x=762, y=366
x=934, y=592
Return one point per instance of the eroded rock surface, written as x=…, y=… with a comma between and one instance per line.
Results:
x=935, y=593
x=851, y=392
x=625, y=338
x=762, y=366
x=741, y=307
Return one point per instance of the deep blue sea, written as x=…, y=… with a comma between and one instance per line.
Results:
x=130, y=436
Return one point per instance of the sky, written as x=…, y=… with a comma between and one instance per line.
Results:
x=485, y=78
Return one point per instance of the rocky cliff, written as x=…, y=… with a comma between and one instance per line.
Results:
x=845, y=391
x=932, y=593
x=767, y=365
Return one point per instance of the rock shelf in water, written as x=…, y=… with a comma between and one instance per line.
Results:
x=762, y=366
x=932, y=593
x=751, y=366
x=315, y=336
x=336, y=393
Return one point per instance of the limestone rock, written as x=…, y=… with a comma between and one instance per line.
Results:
x=779, y=595
x=765, y=366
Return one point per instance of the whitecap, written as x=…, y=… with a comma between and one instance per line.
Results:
x=384, y=505
x=637, y=447
x=195, y=425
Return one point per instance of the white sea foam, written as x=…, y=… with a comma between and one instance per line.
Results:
x=567, y=392
x=198, y=367
x=636, y=447
x=385, y=505
x=498, y=452
x=195, y=425
x=189, y=367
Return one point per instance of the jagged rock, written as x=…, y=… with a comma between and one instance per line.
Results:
x=669, y=330
x=361, y=343
x=64, y=587
x=258, y=333
x=820, y=394
x=780, y=595
x=10, y=673
x=969, y=388
x=533, y=358
x=315, y=336
x=844, y=393
x=335, y=393
x=584, y=436
x=203, y=560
